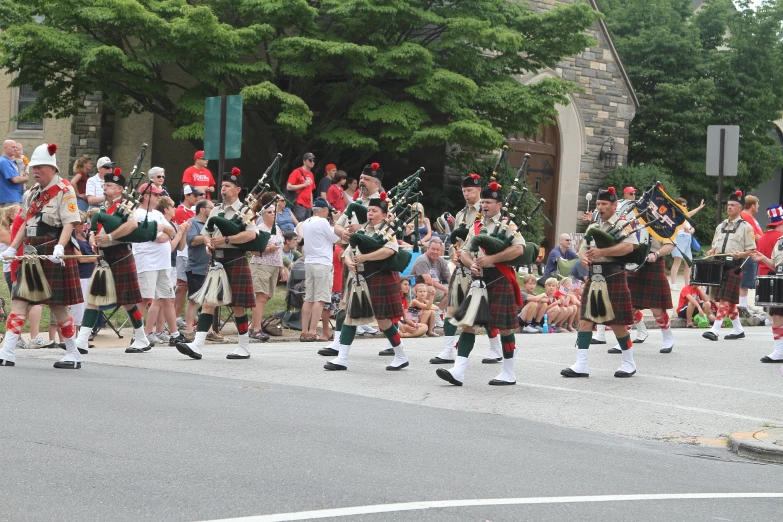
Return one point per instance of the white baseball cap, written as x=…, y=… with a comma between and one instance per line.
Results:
x=105, y=162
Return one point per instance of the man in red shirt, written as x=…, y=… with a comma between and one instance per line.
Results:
x=190, y=196
x=199, y=175
x=770, y=237
x=750, y=268
x=302, y=181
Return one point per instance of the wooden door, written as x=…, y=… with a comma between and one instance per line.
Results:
x=543, y=167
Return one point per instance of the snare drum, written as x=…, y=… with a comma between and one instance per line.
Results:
x=710, y=272
x=769, y=291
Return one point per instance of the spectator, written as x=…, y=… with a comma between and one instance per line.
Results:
x=422, y=308
x=694, y=298
x=409, y=326
x=86, y=266
x=157, y=176
x=551, y=307
x=94, y=188
x=425, y=228
x=198, y=259
x=265, y=268
x=81, y=169
x=302, y=182
x=153, y=260
x=765, y=245
x=323, y=186
x=432, y=270
x=199, y=175
x=285, y=218
x=290, y=244
x=563, y=251
x=21, y=160
x=12, y=183
x=568, y=303
x=187, y=209
x=629, y=194
x=337, y=290
x=530, y=304
x=683, y=246
x=336, y=195
x=183, y=214
x=319, y=238
x=350, y=188
x=749, y=267
x=7, y=215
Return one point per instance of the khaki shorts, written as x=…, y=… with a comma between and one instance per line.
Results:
x=156, y=284
x=264, y=278
x=318, y=283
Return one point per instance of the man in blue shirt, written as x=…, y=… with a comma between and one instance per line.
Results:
x=11, y=182
x=563, y=250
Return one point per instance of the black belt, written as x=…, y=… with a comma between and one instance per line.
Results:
x=491, y=273
x=606, y=269
x=230, y=254
x=121, y=247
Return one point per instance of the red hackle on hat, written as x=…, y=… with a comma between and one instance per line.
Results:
x=235, y=171
x=738, y=193
x=494, y=186
x=375, y=166
x=383, y=194
x=474, y=176
x=117, y=171
x=611, y=190
x=51, y=148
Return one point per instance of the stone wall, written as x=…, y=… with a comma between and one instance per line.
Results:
x=87, y=129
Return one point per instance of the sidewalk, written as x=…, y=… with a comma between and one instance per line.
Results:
x=676, y=322
x=764, y=444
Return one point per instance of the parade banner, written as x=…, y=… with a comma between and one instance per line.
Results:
x=664, y=215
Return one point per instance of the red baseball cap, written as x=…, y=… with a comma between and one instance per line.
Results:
x=330, y=167
x=198, y=155
x=626, y=190
x=152, y=188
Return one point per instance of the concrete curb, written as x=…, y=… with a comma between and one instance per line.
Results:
x=765, y=444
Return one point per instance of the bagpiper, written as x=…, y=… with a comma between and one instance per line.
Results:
x=733, y=238
x=118, y=255
x=608, y=274
x=383, y=290
x=503, y=293
x=233, y=259
x=49, y=215
x=471, y=192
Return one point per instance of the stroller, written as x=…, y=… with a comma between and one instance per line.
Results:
x=294, y=297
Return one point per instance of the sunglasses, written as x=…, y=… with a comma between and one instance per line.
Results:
x=160, y=177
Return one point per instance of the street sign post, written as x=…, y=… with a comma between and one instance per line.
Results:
x=222, y=130
x=722, y=156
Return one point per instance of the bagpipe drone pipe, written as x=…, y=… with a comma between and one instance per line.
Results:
x=247, y=215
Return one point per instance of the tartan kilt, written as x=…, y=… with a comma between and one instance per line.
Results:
x=63, y=279
x=384, y=287
x=502, y=303
x=729, y=290
x=619, y=296
x=123, y=269
x=240, y=280
x=649, y=286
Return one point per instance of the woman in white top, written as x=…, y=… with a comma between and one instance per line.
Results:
x=265, y=268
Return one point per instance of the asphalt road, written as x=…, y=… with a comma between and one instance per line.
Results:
x=160, y=437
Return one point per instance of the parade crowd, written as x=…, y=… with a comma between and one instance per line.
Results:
x=446, y=290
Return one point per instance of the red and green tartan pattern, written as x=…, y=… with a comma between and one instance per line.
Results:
x=649, y=286
x=502, y=303
x=123, y=269
x=730, y=289
x=384, y=288
x=63, y=279
x=239, y=278
x=619, y=296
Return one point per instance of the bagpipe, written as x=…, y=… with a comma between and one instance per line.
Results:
x=113, y=217
x=499, y=240
x=357, y=213
x=248, y=214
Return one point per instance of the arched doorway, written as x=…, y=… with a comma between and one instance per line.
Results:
x=543, y=169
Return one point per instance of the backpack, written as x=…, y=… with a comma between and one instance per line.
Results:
x=273, y=325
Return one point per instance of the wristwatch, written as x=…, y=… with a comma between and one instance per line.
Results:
x=227, y=240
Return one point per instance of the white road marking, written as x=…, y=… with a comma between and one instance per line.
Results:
x=436, y=504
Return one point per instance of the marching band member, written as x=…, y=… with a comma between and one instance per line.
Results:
x=50, y=213
x=603, y=267
x=735, y=237
x=384, y=291
x=776, y=263
x=234, y=261
x=503, y=292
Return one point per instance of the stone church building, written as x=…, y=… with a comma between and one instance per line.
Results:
x=567, y=159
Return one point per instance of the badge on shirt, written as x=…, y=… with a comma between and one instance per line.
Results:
x=71, y=207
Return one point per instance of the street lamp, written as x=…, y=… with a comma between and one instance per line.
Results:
x=609, y=157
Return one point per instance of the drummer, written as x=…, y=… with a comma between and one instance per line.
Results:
x=734, y=236
x=775, y=220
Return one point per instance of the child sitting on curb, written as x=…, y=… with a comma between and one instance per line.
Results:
x=530, y=303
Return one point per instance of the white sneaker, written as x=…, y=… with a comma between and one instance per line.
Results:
x=162, y=337
x=152, y=338
x=672, y=286
x=20, y=344
x=530, y=329
x=40, y=342
x=181, y=323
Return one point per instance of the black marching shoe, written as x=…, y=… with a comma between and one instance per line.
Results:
x=388, y=352
x=83, y=351
x=731, y=337
x=328, y=352
x=446, y=376
x=667, y=350
x=237, y=356
x=498, y=382
x=614, y=350
x=68, y=365
x=3, y=362
x=764, y=359
x=624, y=375
x=184, y=349
x=491, y=360
x=710, y=335
x=334, y=367
x=596, y=341
x=135, y=350
x=391, y=368
x=438, y=360
x=568, y=372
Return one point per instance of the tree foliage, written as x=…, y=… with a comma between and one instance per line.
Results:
x=356, y=77
x=719, y=66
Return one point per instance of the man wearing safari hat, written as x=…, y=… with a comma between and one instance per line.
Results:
x=49, y=215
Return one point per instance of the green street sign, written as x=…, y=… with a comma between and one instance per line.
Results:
x=216, y=119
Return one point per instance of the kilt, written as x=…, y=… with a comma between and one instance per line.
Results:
x=649, y=286
x=729, y=290
x=123, y=269
x=619, y=296
x=63, y=279
x=384, y=287
x=502, y=303
x=239, y=277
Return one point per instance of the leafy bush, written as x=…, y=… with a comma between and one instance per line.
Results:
x=642, y=177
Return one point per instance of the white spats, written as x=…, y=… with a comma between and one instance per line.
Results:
x=82, y=339
x=642, y=333
x=335, y=340
x=507, y=372
x=448, y=353
x=8, y=351
x=70, y=347
x=628, y=365
x=242, y=350
x=495, y=348
x=400, y=359
x=737, y=326
x=600, y=333
x=139, y=338
x=458, y=371
x=342, y=355
x=581, y=366
x=668, y=338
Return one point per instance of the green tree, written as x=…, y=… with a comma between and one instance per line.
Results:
x=357, y=77
x=721, y=65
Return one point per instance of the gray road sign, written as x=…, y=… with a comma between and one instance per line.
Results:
x=730, y=150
